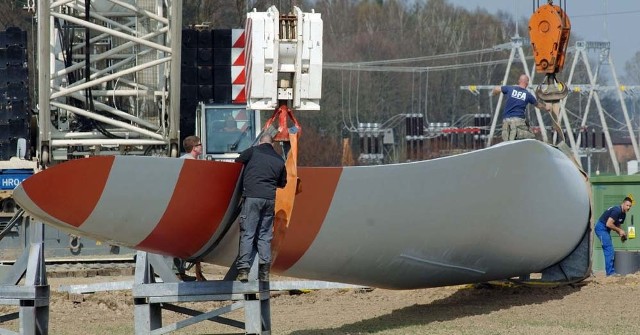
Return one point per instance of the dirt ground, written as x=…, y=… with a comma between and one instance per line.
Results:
x=599, y=305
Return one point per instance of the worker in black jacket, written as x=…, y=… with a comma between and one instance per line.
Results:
x=264, y=171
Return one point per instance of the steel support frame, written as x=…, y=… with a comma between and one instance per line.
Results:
x=595, y=96
x=134, y=53
x=151, y=297
x=605, y=58
x=32, y=298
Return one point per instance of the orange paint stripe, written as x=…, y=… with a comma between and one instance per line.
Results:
x=70, y=191
x=309, y=211
x=285, y=198
x=196, y=208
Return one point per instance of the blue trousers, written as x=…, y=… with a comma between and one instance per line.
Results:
x=256, y=231
x=607, y=247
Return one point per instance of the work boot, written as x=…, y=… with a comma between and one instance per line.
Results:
x=243, y=275
x=263, y=272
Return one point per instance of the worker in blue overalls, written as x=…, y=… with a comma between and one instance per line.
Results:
x=610, y=220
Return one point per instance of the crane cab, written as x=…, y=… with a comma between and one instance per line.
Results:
x=226, y=130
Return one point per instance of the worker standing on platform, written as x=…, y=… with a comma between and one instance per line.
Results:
x=610, y=220
x=514, y=122
x=264, y=171
x=193, y=148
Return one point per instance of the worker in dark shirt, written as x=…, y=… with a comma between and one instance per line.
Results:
x=514, y=124
x=610, y=220
x=264, y=171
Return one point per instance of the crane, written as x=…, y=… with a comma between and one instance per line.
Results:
x=549, y=31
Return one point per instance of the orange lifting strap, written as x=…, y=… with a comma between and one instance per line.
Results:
x=549, y=29
x=279, y=121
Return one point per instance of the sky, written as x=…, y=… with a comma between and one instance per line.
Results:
x=616, y=21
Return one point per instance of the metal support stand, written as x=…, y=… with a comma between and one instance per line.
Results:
x=150, y=297
x=33, y=297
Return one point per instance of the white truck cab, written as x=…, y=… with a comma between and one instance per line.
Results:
x=226, y=130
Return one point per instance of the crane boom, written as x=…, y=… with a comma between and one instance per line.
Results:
x=284, y=65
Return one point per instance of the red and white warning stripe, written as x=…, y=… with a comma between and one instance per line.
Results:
x=237, y=38
x=247, y=53
x=238, y=78
x=238, y=94
x=237, y=75
x=237, y=57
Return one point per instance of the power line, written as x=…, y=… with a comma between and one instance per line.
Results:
x=407, y=69
x=423, y=58
x=605, y=14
